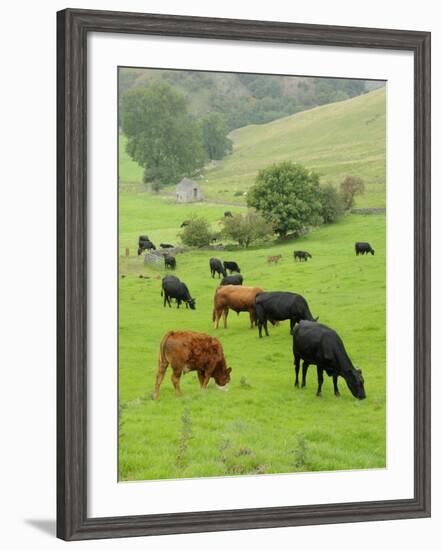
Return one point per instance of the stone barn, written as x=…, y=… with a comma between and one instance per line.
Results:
x=188, y=191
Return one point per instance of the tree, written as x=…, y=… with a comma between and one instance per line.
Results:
x=215, y=140
x=331, y=204
x=197, y=233
x=161, y=135
x=350, y=187
x=246, y=228
x=288, y=197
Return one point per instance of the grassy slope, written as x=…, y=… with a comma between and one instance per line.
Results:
x=342, y=138
x=261, y=425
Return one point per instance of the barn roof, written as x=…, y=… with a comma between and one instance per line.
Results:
x=187, y=183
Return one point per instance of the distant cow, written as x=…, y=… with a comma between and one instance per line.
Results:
x=231, y=266
x=185, y=223
x=279, y=306
x=232, y=280
x=166, y=245
x=301, y=255
x=237, y=298
x=169, y=262
x=228, y=214
x=187, y=351
x=172, y=287
x=145, y=244
x=363, y=248
x=317, y=344
x=273, y=259
x=216, y=266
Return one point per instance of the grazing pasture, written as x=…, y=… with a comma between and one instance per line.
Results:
x=262, y=424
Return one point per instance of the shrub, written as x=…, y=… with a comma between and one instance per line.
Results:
x=197, y=233
x=331, y=204
x=246, y=228
x=350, y=187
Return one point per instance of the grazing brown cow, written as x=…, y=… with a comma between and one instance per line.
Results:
x=274, y=259
x=238, y=298
x=186, y=351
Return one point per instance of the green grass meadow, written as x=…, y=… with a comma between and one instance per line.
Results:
x=262, y=425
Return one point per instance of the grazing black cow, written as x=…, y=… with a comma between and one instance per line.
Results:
x=319, y=345
x=166, y=245
x=231, y=266
x=144, y=243
x=228, y=214
x=172, y=287
x=232, y=280
x=169, y=262
x=185, y=223
x=301, y=255
x=280, y=306
x=363, y=248
x=216, y=266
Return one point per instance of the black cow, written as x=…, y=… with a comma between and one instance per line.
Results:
x=216, y=266
x=280, y=306
x=169, y=262
x=231, y=266
x=166, y=245
x=232, y=280
x=185, y=223
x=172, y=287
x=228, y=214
x=363, y=248
x=319, y=345
x=301, y=255
x=144, y=243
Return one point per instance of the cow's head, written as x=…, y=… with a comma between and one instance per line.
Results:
x=372, y=252
x=222, y=374
x=355, y=383
x=192, y=303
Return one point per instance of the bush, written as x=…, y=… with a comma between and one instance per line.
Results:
x=350, y=187
x=331, y=204
x=197, y=233
x=246, y=228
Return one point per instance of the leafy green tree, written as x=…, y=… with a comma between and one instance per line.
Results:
x=288, y=196
x=350, y=187
x=215, y=129
x=247, y=228
x=331, y=204
x=161, y=135
x=197, y=233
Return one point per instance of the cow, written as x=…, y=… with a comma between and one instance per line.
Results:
x=237, y=298
x=319, y=345
x=166, y=245
x=232, y=280
x=301, y=255
x=231, y=266
x=172, y=287
x=274, y=259
x=216, y=266
x=187, y=351
x=145, y=244
x=279, y=306
x=228, y=214
x=169, y=262
x=185, y=223
x=363, y=248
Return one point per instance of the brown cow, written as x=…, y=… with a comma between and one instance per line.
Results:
x=238, y=298
x=274, y=259
x=187, y=351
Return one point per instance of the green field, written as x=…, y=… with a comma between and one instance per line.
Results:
x=339, y=139
x=262, y=424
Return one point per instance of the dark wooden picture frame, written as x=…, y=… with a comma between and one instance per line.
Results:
x=73, y=27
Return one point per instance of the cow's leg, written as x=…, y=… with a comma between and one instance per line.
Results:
x=201, y=378
x=162, y=366
x=176, y=375
x=335, y=385
x=225, y=313
x=217, y=314
x=320, y=381
x=292, y=324
x=266, y=327
x=297, y=362
x=252, y=318
x=304, y=373
x=205, y=380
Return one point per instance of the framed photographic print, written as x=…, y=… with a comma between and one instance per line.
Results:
x=278, y=171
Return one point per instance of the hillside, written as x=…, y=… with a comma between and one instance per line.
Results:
x=343, y=138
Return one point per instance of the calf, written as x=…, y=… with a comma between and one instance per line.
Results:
x=232, y=280
x=319, y=345
x=363, y=248
x=169, y=262
x=301, y=255
x=228, y=214
x=279, y=306
x=172, y=287
x=187, y=351
x=166, y=245
x=237, y=298
x=231, y=266
x=216, y=266
x=274, y=259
